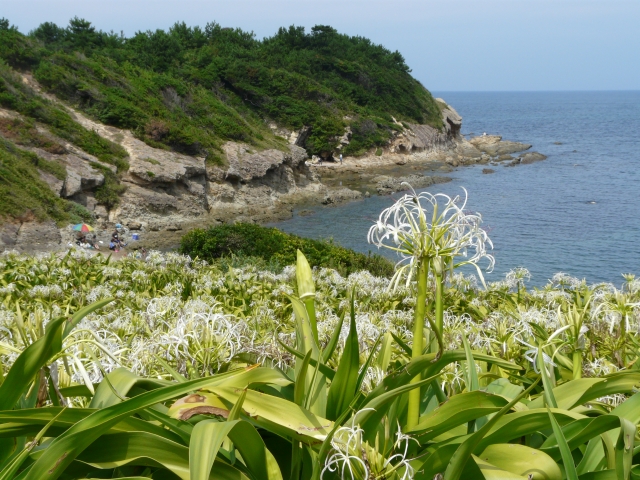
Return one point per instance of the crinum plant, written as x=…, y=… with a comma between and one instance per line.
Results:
x=432, y=233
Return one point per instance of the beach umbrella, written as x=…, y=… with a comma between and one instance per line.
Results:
x=82, y=227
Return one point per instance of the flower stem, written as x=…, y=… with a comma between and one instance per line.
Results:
x=577, y=364
x=439, y=303
x=413, y=409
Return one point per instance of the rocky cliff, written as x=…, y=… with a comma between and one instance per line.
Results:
x=165, y=192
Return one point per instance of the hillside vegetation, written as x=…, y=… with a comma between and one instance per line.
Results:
x=190, y=88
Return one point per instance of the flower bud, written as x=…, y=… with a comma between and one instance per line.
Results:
x=306, y=287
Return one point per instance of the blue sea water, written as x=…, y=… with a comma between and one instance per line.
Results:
x=578, y=212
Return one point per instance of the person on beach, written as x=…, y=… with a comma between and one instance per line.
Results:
x=340, y=159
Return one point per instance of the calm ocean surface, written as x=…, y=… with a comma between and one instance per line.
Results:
x=538, y=216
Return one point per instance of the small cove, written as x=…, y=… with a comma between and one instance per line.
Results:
x=577, y=212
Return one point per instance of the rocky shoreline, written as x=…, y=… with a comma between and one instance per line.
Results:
x=168, y=193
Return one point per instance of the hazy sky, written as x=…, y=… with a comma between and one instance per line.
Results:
x=450, y=45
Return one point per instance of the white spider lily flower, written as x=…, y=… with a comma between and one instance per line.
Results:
x=532, y=353
x=347, y=443
x=424, y=226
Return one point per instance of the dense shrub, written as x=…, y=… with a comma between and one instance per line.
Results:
x=249, y=240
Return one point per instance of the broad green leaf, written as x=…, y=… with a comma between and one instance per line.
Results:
x=522, y=460
x=578, y=392
x=624, y=449
x=16, y=423
x=122, y=380
x=601, y=475
x=427, y=365
x=464, y=451
x=548, y=395
x=473, y=383
x=629, y=410
x=373, y=410
x=207, y=439
x=29, y=363
x=316, y=384
x=275, y=414
x=386, y=349
x=65, y=448
x=344, y=384
x=38, y=354
x=307, y=291
x=10, y=470
x=327, y=353
x=458, y=410
x=235, y=412
x=137, y=448
x=299, y=389
x=565, y=451
x=493, y=472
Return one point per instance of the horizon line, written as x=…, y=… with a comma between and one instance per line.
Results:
x=535, y=91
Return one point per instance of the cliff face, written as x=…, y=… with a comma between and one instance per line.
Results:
x=166, y=191
x=163, y=193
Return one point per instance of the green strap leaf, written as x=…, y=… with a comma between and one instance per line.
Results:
x=64, y=449
x=327, y=353
x=29, y=363
x=565, y=451
x=10, y=470
x=464, y=451
x=344, y=385
x=546, y=381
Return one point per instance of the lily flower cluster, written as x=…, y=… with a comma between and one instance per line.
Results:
x=425, y=226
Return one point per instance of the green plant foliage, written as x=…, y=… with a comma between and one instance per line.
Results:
x=190, y=89
x=250, y=240
x=243, y=420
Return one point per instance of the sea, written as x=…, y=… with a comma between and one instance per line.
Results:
x=578, y=212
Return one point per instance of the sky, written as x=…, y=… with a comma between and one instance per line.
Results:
x=452, y=45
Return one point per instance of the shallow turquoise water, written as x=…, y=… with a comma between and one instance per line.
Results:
x=538, y=216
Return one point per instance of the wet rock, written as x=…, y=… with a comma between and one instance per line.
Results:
x=531, y=157
x=467, y=149
x=504, y=158
x=134, y=226
x=488, y=171
x=305, y=213
x=388, y=185
x=506, y=147
x=493, y=145
x=341, y=195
